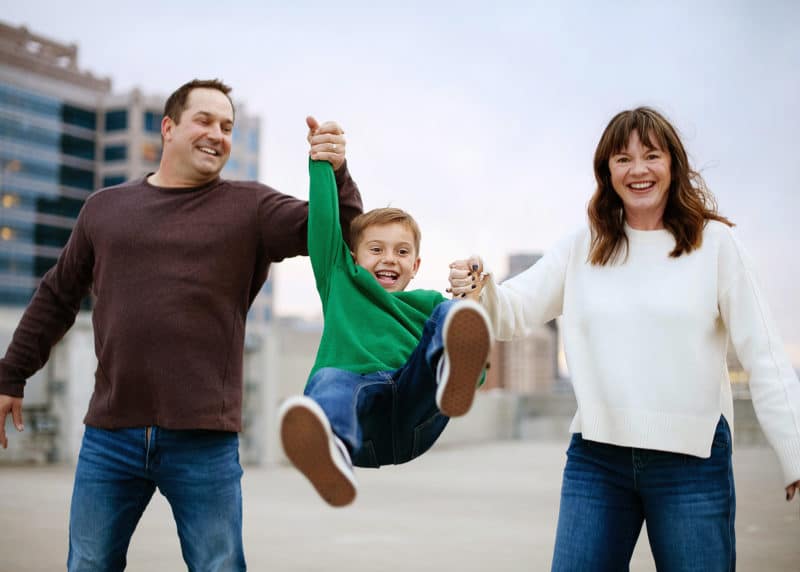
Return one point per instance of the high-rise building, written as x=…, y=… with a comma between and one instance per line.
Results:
x=527, y=365
x=63, y=134
x=48, y=154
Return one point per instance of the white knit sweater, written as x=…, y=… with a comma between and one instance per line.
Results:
x=646, y=340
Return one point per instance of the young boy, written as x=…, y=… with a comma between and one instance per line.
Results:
x=392, y=365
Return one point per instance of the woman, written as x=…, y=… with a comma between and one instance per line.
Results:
x=649, y=295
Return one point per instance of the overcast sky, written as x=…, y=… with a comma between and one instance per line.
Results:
x=481, y=118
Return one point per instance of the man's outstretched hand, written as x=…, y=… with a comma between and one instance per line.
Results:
x=12, y=405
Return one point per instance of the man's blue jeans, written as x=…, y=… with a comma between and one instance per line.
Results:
x=197, y=471
x=688, y=503
x=387, y=417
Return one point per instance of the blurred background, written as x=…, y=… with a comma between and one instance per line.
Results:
x=479, y=118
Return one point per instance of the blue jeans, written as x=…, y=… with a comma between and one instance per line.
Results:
x=387, y=417
x=197, y=471
x=688, y=503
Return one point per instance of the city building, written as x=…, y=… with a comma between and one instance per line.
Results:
x=528, y=365
x=63, y=134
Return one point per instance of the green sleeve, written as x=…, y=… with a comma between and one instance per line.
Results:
x=325, y=241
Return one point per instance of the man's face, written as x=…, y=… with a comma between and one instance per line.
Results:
x=387, y=252
x=199, y=145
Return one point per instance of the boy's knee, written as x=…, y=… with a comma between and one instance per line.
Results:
x=442, y=309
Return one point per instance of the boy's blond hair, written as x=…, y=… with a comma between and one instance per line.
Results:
x=388, y=215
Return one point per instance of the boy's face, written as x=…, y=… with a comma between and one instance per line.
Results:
x=387, y=251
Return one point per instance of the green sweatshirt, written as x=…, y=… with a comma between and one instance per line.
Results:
x=367, y=329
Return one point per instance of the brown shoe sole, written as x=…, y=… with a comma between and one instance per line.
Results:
x=467, y=344
x=306, y=443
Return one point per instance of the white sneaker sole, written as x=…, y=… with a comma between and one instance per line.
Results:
x=467, y=337
x=309, y=444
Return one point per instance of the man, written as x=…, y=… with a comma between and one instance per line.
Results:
x=174, y=261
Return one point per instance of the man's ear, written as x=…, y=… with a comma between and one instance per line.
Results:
x=167, y=125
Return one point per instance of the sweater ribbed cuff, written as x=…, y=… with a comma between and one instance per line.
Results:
x=12, y=388
x=789, y=456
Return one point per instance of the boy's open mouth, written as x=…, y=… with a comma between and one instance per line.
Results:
x=386, y=277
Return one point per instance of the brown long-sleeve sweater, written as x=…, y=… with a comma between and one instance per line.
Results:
x=174, y=272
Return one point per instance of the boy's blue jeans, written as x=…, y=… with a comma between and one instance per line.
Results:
x=688, y=503
x=387, y=417
x=118, y=470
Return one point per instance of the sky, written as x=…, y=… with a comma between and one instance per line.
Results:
x=481, y=118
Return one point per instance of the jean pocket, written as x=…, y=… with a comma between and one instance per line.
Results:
x=426, y=434
x=366, y=457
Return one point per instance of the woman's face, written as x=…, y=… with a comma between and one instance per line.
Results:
x=641, y=177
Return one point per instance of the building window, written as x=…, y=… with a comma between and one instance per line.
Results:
x=60, y=206
x=25, y=133
x=7, y=233
x=152, y=122
x=73, y=177
x=9, y=200
x=151, y=152
x=252, y=140
x=112, y=180
x=252, y=172
x=117, y=120
x=77, y=147
x=79, y=117
x=115, y=153
x=11, y=97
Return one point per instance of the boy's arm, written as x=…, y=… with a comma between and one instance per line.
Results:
x=325, y=237
x=283, y=219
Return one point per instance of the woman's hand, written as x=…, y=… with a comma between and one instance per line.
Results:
x=467, y=278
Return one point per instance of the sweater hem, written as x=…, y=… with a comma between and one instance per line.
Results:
x=673, y=432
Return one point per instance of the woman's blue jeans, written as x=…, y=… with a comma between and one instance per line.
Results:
x=688, y=503
x=387, y=417
x=118, y=470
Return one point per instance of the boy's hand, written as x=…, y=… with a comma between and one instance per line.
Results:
x=326, y=141
x=467, y=278
x=12, y=405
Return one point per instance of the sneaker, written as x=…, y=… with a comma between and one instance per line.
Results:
x=311, y=446
x=467, y=337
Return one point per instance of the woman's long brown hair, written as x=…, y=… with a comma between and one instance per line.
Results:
x=689, y=202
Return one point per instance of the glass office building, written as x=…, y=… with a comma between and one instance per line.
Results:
x=63, y=135
x=48, y=155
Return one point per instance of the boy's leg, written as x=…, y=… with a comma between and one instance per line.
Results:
x=312, y=447
x=110, y=494
x=440, y=377
x=467, y=340
x=360, y=409
x=324, y=429
x=199, y=474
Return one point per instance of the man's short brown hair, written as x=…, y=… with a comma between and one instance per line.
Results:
x=176, y=103
x=388, y=215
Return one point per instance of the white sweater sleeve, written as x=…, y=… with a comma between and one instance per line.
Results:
x=774, y=386
x=530, y=299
